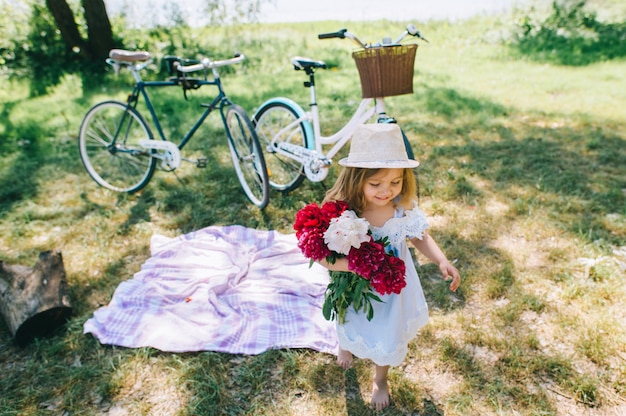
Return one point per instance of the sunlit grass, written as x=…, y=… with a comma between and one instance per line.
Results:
x=522, y=177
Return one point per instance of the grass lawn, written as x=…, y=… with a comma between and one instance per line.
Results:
x=523, y=175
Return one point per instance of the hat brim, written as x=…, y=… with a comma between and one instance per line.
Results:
x=389, y=164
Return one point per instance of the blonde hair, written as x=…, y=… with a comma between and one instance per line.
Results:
x=350, y=183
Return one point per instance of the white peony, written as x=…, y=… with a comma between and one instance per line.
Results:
x=345, y=232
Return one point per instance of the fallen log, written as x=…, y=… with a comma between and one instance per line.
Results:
x=34, y=301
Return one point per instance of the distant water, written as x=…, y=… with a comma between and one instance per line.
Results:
x=418, y=10
x=152, y=12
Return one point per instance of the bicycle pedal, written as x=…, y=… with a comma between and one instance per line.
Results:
x=201, y=162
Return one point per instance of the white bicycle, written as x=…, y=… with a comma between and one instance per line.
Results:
x=291, y=137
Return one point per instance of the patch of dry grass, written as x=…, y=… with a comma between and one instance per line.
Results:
x=525, y=190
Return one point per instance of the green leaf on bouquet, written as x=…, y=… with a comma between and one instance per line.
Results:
x=347, y=289
x=327, y=309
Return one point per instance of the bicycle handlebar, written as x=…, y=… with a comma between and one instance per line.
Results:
x=338, y=34
x=411, y=30
x=342, y=34
x=206, y=63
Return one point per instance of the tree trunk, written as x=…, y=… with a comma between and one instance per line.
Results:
x=64, y=19
x=34, y=302
x=100, y=35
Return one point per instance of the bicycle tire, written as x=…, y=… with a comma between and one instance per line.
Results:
x=247, y=156
x=285, y=173
x=407, y=145
x=118, y=163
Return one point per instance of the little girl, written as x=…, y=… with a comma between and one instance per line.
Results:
x=379, y=185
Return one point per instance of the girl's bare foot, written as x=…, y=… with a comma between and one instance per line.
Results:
x=380, y=394
x=380, y=389
x=344, y=359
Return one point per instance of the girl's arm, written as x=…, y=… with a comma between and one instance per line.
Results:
x=340, y=265
x=428, y=247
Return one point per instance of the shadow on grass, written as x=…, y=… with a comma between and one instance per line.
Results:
x=574, y=173
x=561, y=170
x=26, y=148
x=449, y=103
x=269, y=383
x=204, y=197
x=355, y=405
x=22, y=155
x=499, y=386
x=519, y=376
x=140, y=211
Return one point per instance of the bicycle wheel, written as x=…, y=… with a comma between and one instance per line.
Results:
x=247, y=156
x=285, y=173
x=108, y=143
x=407, y=145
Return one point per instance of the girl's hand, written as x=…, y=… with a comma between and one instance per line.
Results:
x=449, y=272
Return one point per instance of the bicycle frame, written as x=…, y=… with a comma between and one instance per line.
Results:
x=141, y=87
x=311, y=120
x=366, y=110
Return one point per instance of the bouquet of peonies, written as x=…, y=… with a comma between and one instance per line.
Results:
x=332, y=232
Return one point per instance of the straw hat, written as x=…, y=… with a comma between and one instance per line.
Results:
x=376, y=146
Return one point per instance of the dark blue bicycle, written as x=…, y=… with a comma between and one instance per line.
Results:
x=120, y=152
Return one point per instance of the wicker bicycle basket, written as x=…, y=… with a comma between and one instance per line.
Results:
x=386, y=71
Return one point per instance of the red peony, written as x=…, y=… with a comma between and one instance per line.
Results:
x=334, y=209
x=312, y=245
x=389, y=277
x=366, y=259
x=310, y=217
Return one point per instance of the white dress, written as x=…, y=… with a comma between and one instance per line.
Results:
x=397, y=319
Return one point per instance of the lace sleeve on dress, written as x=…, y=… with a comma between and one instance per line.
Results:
x=411, y=223
x=415, y=222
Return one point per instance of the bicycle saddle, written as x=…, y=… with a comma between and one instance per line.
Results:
x=300, y=63
x=128, y=56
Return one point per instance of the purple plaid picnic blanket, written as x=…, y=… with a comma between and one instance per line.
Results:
x=228, y=289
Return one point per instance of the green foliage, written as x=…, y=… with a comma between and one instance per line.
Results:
x=236, y=11
x=32, y=46
x=47, y=57
x=570, y=35
x=14, y=27
x=347, y=290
